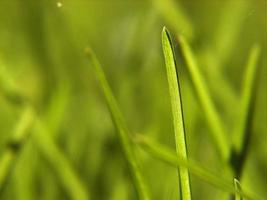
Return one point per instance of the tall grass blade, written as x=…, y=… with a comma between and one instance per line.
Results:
x=122, y=130
x=247, y=97
x=214, y=121
x=177, y=112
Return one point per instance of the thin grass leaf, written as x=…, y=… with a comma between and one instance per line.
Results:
x=15, y=145
x=176, y=102
x=210, y=112
x=247, y=98
x=237, y=190
x=122, y=130
x=167, y=155
x=175, y=16
x=215, y=56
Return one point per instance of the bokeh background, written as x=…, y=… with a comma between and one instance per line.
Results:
x=42, y=48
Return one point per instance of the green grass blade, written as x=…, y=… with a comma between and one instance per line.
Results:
x=13, y=148
x=61, y=165
x=177, y=112
x=47, y=147
x=167, y=155
x=121, y=127
x=210, y=112
x=233, y=16
x=247, y=98
x=175, y=16
x=226, y=92
x=237, y=190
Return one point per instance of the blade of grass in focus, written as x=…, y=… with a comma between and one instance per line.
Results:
x=46, y=145
x=247, y=98
x=175, y=16
x=210, y=112
x=177, y=112
x=15, y=145
x=237, y=190
x=121, y=127
x=167, y=155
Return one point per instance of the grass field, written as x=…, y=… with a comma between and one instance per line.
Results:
x=133, y=99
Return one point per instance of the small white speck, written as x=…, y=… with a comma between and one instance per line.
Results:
x=59, y=4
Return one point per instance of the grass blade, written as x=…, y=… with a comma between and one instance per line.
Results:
x=247, y=97
x=177, y=112
x=210, y=112
x=237, y=190
x=167, y=155
x=15, y=145
x=47, y=147
x=233, y=16
x=245, y=116
x=121, y=127
x=65, y=172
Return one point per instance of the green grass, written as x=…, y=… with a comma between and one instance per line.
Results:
x=122, y=130
x=248, y=95
x=167, y=155
x=177, y=112
x=209, y=111
x=13, y=148
x=30, y=122
x=57, y=139
x=238, y=189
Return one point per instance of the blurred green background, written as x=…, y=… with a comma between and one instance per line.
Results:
x=42, y=48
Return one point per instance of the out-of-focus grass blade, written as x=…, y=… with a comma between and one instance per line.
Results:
x=210, y=112
x=56, y=109
x=233, y=16
x=237, y=190
x=167, y=155
x=176, y=102
x=247, y=98
x=175, y=16
x=59, y=162
x=226, y=93
x=122, y=130
x=9, y=88
x=47, y=147
x=13, y=148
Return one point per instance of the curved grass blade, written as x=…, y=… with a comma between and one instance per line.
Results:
x=210, y=112
x=121, y=127
x=167, y=155
x=247, y=98
x=177, y=112
x=237, y=190
x=15, y=145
